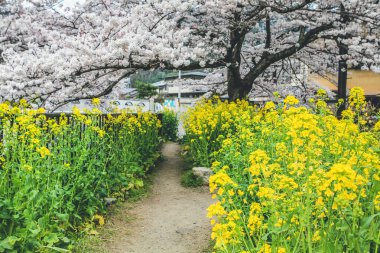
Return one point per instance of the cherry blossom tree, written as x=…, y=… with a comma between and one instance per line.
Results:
x=54, y=56
x=261, y=35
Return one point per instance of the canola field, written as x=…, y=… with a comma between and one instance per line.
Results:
x=55, y=172
x=289, y=178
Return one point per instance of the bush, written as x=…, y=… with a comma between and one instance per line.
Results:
x=189, y=179
x=288, y=178
x=169, y=125
x=208, y=124
x=55, y=172
x=145, y=90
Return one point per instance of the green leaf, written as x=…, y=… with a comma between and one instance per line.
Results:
x=8, y=243
x=139, y=183
x=366, y=222
x=56, y=249
x=35, y=231
x=65, y=240
x=51, y=238
x=62, y=216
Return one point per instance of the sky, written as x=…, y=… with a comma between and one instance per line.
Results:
x=70, y=3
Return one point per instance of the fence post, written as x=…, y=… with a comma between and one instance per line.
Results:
x=342, y=80
x=151, y=105
x=342, y=76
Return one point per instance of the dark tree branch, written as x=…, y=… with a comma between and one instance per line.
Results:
x=284, y=10
x=268, y=40
x=269, y=59
x=104, y=92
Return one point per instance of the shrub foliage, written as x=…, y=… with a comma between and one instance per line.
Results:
x=289, y=178
x=169, y=125
x=56, y=171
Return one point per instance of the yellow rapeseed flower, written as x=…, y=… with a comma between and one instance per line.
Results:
x=291, y=100
x=98, y=219
x=95, y=101
x=43, y=151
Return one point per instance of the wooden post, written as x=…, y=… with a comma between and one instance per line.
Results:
x=342, y=68
x=342, y=80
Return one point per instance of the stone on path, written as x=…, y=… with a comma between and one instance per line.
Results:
x=203, y=172
x=110, y=201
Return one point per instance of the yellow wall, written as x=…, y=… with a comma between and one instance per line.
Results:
x=368, y=80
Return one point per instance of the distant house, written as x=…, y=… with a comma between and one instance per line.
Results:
x=184, y=85
x=161, y=86
x=188, y=92
x=174, y=85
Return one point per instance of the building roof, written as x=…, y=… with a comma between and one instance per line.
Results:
x=159, y=84
x=188, y=74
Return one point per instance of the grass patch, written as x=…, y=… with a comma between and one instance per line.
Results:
x=190, y=180
x=115, y=215
x=210, y=247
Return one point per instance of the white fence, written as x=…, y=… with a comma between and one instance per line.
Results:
x=132, y=105
x=108, y=106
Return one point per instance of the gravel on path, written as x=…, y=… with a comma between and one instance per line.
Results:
x=171, y=220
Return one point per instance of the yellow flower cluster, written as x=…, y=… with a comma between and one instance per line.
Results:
x=288, y=179
x=98, y=219
x=356, y=98
x=209, y=124
x=291, y=100
x=55, y=170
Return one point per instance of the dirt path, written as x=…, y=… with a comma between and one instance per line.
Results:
x=171, y=220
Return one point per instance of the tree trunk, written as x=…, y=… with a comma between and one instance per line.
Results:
x=236, y=86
